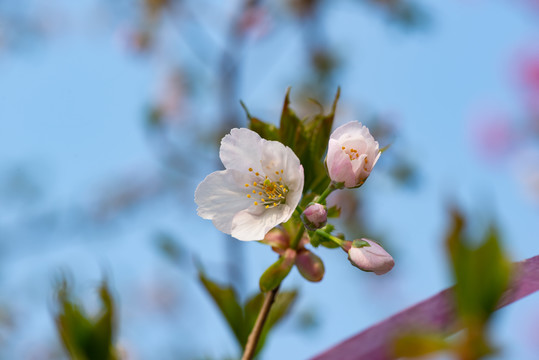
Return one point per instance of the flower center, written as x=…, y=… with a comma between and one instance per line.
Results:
x=267, y=192
x=351, y=152
x=354, y=155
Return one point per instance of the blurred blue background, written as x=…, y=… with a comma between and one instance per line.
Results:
x=111, y=113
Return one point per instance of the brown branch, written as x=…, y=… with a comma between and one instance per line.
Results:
x=252, y=341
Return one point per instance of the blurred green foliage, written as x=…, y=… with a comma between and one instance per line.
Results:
x=482, y=273
x=242, y=317
x=86, y=337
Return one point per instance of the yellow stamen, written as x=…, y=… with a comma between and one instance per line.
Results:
x=276, y=173
x=256, y=203
x=257, y=174
x=343, y=148
x=246, y=185
x=254, y=183
x=249, y=196
x=267, y=206
x=250, y=169
x=254, y=191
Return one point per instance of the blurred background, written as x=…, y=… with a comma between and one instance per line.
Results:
x=111, y=113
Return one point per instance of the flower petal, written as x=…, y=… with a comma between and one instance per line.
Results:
x=371, y=258
x=249, y=225
x=220, y=196
x=339, y=165
x=351, y=130
x=352, y=153
x=241, y=150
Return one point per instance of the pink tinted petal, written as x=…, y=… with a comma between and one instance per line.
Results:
x=349, y=130
x=340, y=167
x=314, y=216
x=350, y=145
x=371, y=258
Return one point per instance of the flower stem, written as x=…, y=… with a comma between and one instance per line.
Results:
x=295, y=242
x=254, y=336
x=322, y=198
x=330, y=237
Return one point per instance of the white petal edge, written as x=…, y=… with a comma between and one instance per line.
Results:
x=241, y=149
x=220, y=196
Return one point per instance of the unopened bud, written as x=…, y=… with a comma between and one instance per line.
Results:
x=315, y=216
x=310, y=266
x=278, y=240
x=370, y=256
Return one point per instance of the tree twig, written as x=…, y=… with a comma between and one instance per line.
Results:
x=252, y=341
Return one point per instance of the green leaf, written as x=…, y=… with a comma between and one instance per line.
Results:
x=85, y=337
x=227, y=301
x=318, y=131
x=272, y=277
x=290, y=127
x=265, y=130
x=482, y=273
x=104, y=326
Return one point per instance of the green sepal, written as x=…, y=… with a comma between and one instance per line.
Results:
x=360, y=243
x=314, y=238
x=328, y=244
x=334, y=212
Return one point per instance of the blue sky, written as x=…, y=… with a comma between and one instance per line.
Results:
x=72, y=109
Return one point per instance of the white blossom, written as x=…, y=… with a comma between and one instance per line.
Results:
x=260, y=187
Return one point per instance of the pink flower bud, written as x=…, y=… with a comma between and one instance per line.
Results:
x=310, y=266
x=371, y=257
x=352, y=153
x=315, y=216
x=278, y=240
